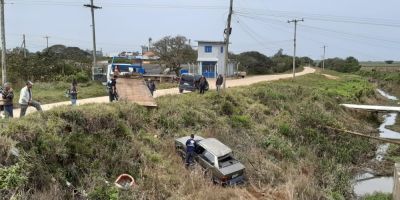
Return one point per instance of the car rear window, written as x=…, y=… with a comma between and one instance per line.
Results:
x=187, y=78
x=226, y=161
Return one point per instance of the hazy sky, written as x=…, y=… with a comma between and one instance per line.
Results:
x=366, y=29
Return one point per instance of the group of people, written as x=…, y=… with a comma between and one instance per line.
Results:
x=25, y=100
x=203, y=84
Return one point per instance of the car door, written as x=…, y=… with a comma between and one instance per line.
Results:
x=207, y=160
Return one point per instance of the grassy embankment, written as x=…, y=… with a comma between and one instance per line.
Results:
x=54, y=92
x=276, y=130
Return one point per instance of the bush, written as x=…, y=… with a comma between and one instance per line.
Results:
x=389, y=62
x=350, y=64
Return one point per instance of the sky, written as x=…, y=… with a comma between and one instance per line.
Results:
x=366, y=29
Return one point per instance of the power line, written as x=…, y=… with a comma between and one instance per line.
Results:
x=349, y=36
x=326, y=18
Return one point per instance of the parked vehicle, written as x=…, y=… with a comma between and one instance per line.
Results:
x=215, y=158
x=190, y=82
x=240, y=74
x=125, y=69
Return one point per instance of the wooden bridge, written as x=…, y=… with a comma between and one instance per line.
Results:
x=373, y=107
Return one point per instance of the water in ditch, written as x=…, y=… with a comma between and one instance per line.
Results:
x=367, y=183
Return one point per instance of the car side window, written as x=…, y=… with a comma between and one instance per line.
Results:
x=209, y=157
x=199, y=150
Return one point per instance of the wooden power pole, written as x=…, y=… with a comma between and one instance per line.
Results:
x=3, y=46
x=47, y=41
x=227, y=32
x=295, y=21
x=24, y=45
x=92, y=8
x=323, y=59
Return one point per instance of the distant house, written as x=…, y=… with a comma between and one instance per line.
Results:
x=149, y=56
x=211, y=59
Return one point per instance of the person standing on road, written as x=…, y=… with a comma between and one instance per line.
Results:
x=190, y=147
x=219, y=82
x=74, y=92
x=112, y=88
x=151, y=86
x=8, y=96
x=202, y=84
x=25, y=99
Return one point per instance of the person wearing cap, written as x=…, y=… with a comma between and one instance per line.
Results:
x=25, y=99
x=8, y=96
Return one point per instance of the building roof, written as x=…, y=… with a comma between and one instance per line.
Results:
x=149, y=54
x=215, y=147
x=210, y=42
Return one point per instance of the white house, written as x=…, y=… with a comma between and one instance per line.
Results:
x=211, y=59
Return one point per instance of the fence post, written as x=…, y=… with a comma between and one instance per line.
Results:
x=396, y=181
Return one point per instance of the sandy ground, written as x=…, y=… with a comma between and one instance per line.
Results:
x=174, y=91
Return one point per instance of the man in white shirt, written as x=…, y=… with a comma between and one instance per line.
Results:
x=25, y=99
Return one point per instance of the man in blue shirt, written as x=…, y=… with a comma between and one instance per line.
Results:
x=190, y=147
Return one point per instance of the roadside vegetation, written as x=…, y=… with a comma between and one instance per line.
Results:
x=276, y=129
x=166, y=85
x=378, y=196
x=350, y=64
x=256, y=63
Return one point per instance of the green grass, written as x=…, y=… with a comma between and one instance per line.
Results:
x=54, y=92
x=166, y=85
x=275, y=129
x=378, y=196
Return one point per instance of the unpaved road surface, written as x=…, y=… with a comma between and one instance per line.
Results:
x=174, y=91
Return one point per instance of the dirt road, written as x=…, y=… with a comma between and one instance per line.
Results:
x=175, y=91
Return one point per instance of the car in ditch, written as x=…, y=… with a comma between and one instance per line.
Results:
x=215, y=158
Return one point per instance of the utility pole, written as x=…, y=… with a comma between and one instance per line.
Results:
x=24, y=45
x=3, y=45
x=323, y=59
x=295, y=21
x=47, y=41
x=227, y=32
x=150, y=39
x=92, y=8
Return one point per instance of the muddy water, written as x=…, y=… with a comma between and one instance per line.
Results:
x=367, y=183
x=390, y=97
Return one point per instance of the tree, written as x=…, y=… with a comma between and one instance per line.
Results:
x=283, y=62
x=54, y=63
x=254, y=62
x=350, y=64
x=174, y=51
x=389, y=62
x=306, y=61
